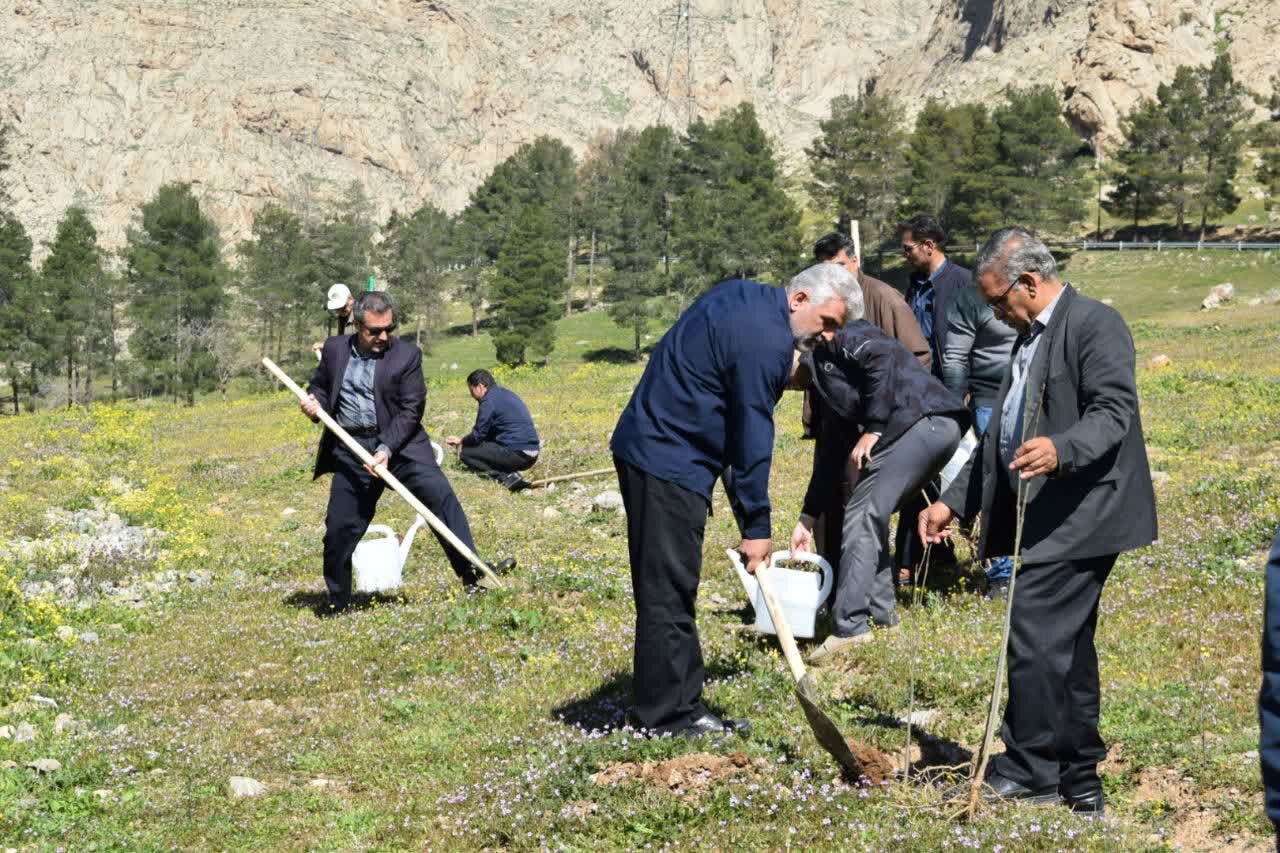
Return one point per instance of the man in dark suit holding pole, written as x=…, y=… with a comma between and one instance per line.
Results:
x=371, y=383
x=1065, y=427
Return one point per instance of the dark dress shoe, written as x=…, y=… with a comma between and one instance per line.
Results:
x=999, y=788
x=333, y=607
x=502, y=566
x=1090, y=803
x=710, y=724
x=515, y=482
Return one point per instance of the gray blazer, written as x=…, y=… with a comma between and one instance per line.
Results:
x=1101, y=500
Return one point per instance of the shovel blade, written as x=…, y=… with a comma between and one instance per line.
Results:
x=824, y=729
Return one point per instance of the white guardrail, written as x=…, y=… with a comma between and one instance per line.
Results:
x=1161, y=245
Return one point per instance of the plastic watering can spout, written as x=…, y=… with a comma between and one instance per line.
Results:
x=748, y=580
x=407, y=542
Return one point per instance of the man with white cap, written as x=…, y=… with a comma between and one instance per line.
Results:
x=339, y=303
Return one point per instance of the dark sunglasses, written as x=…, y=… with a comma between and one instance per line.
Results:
x=380, y=331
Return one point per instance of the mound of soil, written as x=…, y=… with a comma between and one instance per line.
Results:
x=877, y=767
x=696, y=770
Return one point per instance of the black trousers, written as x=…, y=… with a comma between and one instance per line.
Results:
x=353, y=499
x=665, y=526
x=494, y=460
x=1050, y=728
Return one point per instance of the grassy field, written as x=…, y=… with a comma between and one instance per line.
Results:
x=434, y=720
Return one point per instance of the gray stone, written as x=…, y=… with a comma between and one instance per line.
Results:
x=43, y=701
x=25, y=732
x=45, y=765
x=923, y=719
x=65, y=724
x=607, y=502
x=550, y=513
x=6, y=732
x=88, y=637
x=243, y=786
x=65, y=633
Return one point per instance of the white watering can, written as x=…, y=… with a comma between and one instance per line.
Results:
x=799, y=593
x=439, y=452
x=378, y=561
x=954, y=465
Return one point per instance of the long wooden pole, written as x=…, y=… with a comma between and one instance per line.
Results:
x=390, y=479
x=598, y=472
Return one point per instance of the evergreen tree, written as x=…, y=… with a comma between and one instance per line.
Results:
x=178, y=284
x=277, y=281
x=1041, y=168
x=341, y=242
x=71, y=273
x=527, y=288
x=1267, y=139
x=859, y=162
x=730, y=218
x=598, y=174
x=1179, y=139
x=18, y=307
x=951, y=157
x=1140, y=189
x=639, y=229
x=413, y=255
x=1222, y=135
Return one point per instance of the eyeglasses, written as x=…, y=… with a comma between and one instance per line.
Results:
x=379, y=332
x=1000, y=304
x=908, y=248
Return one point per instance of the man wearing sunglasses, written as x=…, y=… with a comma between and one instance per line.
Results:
x=371, y=383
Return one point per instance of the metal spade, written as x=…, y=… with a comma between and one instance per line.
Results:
x=828, y=736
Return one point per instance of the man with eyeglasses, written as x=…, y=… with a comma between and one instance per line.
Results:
x=1066, y=428
x=371, y=383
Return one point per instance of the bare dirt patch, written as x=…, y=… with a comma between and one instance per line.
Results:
x=694, y=771
x=876, y=766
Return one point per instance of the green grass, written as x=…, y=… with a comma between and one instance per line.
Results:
x=440, y=721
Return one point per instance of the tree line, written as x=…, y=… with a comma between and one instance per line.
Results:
x=640, y=224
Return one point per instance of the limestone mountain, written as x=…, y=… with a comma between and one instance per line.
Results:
x=291, y=100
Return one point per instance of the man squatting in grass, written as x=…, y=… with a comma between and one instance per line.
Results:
x=704, y=403
x=503, y=441
x=371, y=383
x=883, y=410
x=1067, y=429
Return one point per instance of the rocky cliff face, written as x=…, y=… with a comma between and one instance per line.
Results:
x=291, y=100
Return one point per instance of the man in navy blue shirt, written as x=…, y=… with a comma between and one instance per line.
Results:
x=705, y=403
x=503, y=441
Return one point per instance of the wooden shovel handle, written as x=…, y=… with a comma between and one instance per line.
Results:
x=785, y=638
x=390, y=479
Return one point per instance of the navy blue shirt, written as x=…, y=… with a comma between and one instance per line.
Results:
x=503, y=419
x=706, y=399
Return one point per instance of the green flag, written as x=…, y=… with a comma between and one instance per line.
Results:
x=371, y=287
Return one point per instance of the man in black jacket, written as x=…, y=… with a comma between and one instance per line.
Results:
x=371, y=383
x=1068, y=435
x=899, y=425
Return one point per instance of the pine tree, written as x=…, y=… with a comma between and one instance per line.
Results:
x=1139, y=190
x=414, y=252
x=951, y=156
x=638, y=230
x=71, y=273
x=598, y=174
x=278, y=285
x=731, y=219
x=341, y=242
x=859, y=164
x=527, y=288
x=1267, y=139
x=1041, y=165
x=1222, y=135
x=178, y=284
x=16, y=304
x=1179, y=139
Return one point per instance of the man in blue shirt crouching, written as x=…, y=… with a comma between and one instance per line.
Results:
x=503, y=441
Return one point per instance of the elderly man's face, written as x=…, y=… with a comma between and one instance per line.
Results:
x=1011, y=303
x=811, y=323
x=374, y=333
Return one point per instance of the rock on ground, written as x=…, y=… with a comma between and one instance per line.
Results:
x=607, y=502
x=243, y=786
x=45, y=765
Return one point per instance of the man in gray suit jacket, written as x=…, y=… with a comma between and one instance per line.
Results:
x=1066, y=430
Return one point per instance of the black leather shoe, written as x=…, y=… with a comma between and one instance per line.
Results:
x=999, y=788
x=1090, y=803
x=502, y=566
x=710, y=724
x=515, y=482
